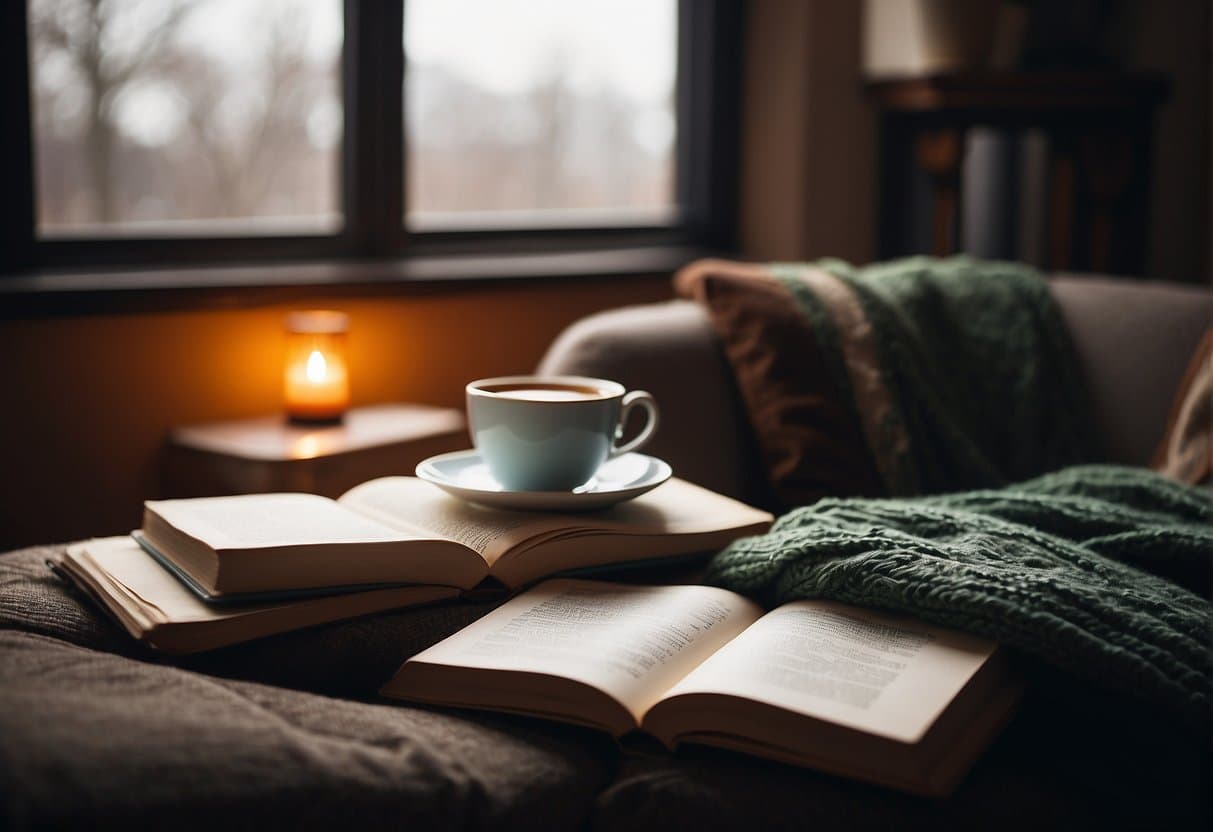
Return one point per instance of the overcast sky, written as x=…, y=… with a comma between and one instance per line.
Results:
x=501, y=45
x=508, y=45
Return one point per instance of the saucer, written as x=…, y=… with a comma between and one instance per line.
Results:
x=465, y=475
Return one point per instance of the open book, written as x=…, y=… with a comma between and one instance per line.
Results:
x=868, y=695
x=400, y=530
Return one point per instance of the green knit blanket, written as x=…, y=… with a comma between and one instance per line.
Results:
x=1067, y=568
x=960, y=371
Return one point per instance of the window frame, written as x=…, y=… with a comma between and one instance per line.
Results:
x=372, y=167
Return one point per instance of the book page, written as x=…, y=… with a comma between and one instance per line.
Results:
x=149, y=586
x=883, y=674
x=415, y=506
x=253, y=521
x=676, y=507
x=155, y=606
x=636, y=529
x=631, y=642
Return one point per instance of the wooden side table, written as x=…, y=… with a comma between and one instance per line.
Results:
x=273, y=454
x=1099, y=127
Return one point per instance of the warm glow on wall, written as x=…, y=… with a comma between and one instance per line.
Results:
x=317, y=387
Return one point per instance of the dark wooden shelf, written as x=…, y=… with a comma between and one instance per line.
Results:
x=1099, y=127
x=1016, y=94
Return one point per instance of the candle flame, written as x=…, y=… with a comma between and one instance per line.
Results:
x=317, y=367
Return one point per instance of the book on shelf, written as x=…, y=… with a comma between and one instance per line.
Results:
x=254, y=564
x=865, y=694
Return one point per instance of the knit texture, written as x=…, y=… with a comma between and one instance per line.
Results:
x=975, y=362
x=1066, y=568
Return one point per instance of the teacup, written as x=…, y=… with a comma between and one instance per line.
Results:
x=552, y=433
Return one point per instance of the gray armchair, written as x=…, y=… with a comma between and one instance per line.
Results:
x=1133, y=340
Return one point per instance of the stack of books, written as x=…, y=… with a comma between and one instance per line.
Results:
x=207, y=572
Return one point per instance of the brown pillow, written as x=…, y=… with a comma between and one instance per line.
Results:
x=1186, y=450
x=812, y=446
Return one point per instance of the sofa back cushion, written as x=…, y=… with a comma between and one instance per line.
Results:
x=671, y=350
x=1133, y=340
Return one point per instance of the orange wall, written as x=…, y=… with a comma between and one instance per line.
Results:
x=90, y=399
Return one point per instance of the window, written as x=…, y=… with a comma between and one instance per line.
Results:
x=150, y=116
x=169, y=131
x=540, y=112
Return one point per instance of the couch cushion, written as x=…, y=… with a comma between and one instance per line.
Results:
x=671, y=350
x=1133, y=340
x=90, y=738
x=810, y=441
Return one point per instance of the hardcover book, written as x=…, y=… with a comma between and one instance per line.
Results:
x=212, y=571
x=398, y=530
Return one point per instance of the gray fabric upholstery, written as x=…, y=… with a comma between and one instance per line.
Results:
x=671, y=350
x=1133, y=340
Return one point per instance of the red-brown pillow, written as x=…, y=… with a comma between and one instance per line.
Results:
x=812, y=446
x=1186, y=450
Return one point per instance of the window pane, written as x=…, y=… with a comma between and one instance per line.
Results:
x=152, y=113
x=544, y=112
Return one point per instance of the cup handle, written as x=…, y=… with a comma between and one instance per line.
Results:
x=633, y=399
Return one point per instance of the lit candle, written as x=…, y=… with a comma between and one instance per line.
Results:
x=317, y=385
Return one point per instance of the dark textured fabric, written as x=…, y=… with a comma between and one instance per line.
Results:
x=810, y=441
x=1069, y=765
x=91, y=738
x=1042, y=567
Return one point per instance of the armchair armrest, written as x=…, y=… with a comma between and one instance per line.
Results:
x=671, y=350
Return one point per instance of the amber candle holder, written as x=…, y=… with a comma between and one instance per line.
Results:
x=316, y=378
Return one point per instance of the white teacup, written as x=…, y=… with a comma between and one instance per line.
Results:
x=552, y=433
